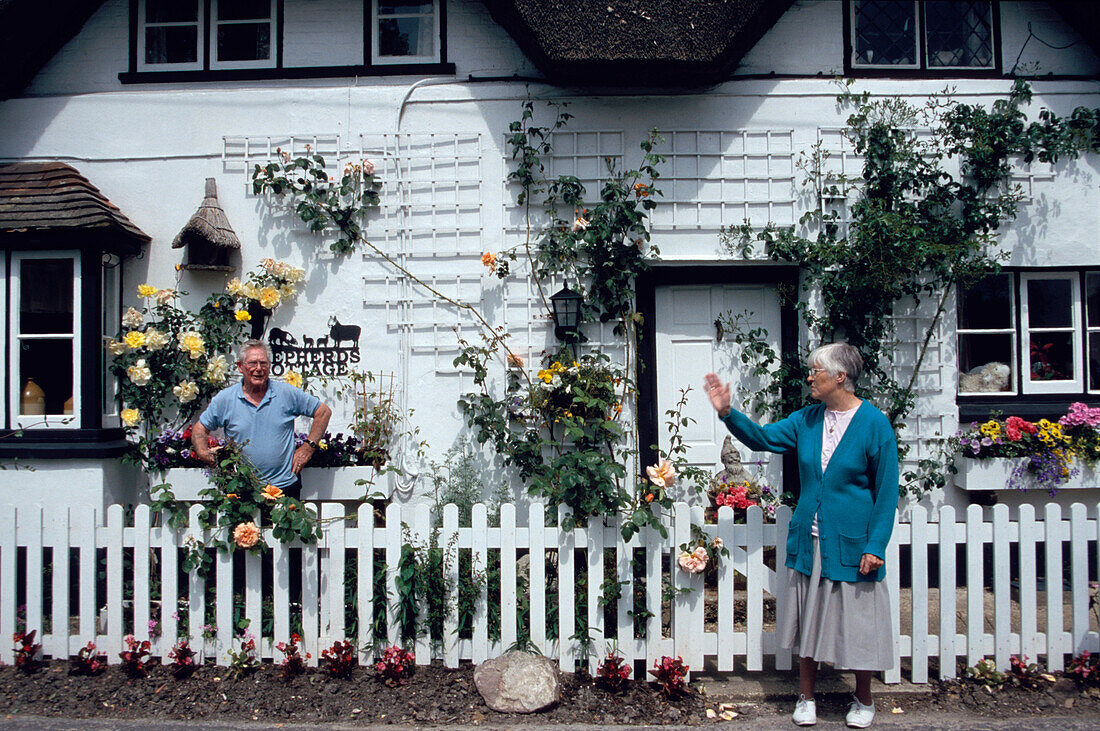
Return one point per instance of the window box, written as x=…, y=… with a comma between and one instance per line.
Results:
x=993, y=474
x=318, y=483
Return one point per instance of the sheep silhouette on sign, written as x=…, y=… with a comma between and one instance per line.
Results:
x=338, y=332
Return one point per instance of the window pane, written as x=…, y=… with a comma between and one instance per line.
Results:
x=959, y=33
x=405, y=37
x=390, y=7
x=171, y=11
x=243, y=9
x=1092, y=294
x=1051, y=357
x=244, y=42
x=1094, y=361
x=49, y=364
x=1049, y=303
x=985, y=363
x=171, y=44
x=46, y=296
x=987, y=305
x=885, y=32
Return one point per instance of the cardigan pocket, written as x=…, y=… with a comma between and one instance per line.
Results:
x=851, y=549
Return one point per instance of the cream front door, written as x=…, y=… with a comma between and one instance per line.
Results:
x=688, y=346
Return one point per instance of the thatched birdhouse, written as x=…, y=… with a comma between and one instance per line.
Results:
x=208, y=237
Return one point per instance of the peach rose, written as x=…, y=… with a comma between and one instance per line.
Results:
x=662, y=475
x=246, y=535
x=271, y=493
x=692, y=563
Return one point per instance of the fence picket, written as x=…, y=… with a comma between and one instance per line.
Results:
x=596, y=635
x=1079, y=576
x=421, y=528
x=1052, y=524
x=332, y=575
x=393, y=558
x=975, y=587
x=507, y=574
x=918, y=542
x=754, y=590
x=32, y=526
x=280, y=595
x=948, y=648
x=567, y=656
x=893, y=583
x=196, y=595
x=536, y=575
x=624, y=635
x=1029, y=535
x=480, y=565
x=57, y=529
x=783, y=655
x=113, y=540
x=311, y=593
x=142, y=577
x=223, y=605
x=1002, y=614
x=364, y=577
x=448, y=542
x=726, y=576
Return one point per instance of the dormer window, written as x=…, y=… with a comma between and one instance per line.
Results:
x=935, y=35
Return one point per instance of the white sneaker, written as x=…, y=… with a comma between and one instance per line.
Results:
x=805, y=712
x=859, y=715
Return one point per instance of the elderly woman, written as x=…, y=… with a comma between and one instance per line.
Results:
x=838, y=608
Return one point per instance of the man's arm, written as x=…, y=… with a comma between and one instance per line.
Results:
x=304, y=453
x=200, y=443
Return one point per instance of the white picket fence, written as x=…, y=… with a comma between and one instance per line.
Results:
x=34, y=540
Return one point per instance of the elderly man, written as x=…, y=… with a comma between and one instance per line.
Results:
x=260, y=415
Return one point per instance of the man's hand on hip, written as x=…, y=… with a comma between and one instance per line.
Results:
x=302, y=455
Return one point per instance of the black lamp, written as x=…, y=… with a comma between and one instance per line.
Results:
x=567, y=313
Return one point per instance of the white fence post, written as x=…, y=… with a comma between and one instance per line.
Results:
x=918, y=544
x=1052, y=523
x=948, y=650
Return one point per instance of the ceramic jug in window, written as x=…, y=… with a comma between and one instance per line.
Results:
x=34, y=399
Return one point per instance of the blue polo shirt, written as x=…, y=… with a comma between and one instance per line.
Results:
x=268, y=428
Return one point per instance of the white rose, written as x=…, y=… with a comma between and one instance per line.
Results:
x=139, y=373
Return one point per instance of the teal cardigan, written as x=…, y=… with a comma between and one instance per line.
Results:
x=855, y=500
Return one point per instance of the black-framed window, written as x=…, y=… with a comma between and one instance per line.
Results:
x=888, y=36
x=210, y=40
x=1032, y=334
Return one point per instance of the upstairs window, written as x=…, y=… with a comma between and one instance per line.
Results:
x=172, y=34
x=406, y=31
x=922, y=34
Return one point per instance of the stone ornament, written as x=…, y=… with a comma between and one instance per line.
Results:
x=518, y=682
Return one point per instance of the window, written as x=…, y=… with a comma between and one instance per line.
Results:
x=172, y=34
x=922, y=34
x=1030, y=333
x=405, y=31
x=44, y=384
x=111, y=323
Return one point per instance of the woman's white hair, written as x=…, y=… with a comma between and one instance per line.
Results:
x=837, y=358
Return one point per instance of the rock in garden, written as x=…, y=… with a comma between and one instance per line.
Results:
x=518, y=682
x=1064, y=687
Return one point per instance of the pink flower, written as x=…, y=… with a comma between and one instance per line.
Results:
x=368, y=167
x=662, y=475
x=693, y=563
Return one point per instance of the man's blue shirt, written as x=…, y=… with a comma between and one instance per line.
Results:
x=268, y=428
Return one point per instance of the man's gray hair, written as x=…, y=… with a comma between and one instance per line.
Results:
x=251, y=344
x=838, y=358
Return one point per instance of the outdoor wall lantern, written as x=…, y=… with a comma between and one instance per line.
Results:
x=567, y=313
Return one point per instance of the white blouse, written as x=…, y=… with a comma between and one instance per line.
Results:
x=836, y=423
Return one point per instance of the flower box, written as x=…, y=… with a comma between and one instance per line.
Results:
x=318, y=483
x=994, y=474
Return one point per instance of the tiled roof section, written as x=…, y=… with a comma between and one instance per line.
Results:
x=637, y=42
x=48, y=201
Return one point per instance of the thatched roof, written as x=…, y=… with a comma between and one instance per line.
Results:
x=209, y=224
x=637, y=42
x=47, y=204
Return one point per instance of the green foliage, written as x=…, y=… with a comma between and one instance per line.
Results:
x=322, y=202
x=985, y=672
x=915, y=230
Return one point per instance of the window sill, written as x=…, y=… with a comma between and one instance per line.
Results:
x=306, y=72
x=63, y=444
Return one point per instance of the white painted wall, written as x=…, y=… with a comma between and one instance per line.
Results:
x=149, y=149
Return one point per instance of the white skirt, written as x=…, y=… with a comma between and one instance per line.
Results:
x=844, y=623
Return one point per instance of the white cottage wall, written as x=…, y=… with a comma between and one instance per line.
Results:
x=731, y=152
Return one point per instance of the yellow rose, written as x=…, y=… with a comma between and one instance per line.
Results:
x=234, y=287
x=155, y=339
x=191, y=342
x=293, y=378
x=242, y=316
x=130, y=417
x=134, y=339
x=269, y=298
x=147, y=290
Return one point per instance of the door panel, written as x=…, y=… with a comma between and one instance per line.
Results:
x=688, y=347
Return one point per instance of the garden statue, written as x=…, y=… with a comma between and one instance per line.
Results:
x=733, y=471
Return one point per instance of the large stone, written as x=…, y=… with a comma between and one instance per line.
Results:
x=518, y=682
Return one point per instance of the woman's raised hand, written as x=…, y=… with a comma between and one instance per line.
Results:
x=718, y=393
